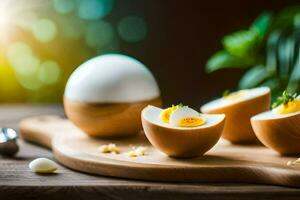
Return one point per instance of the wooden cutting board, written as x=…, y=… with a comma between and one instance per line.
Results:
x=223, y=163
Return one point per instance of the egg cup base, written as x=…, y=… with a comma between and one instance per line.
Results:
x=107, y=120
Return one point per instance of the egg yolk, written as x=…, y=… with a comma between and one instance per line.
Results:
x=191, y=121
x=235, y=95
x=290, y=107
x=165, y=114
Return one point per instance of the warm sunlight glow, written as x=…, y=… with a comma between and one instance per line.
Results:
x=5, y=19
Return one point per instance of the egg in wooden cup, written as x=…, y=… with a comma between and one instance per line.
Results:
x=239, y=107
x=180, y=131
x=105, y=95
x=279, y=128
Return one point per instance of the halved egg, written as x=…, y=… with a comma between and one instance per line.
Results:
x=279, y=128
x=186, y=134
x=239, y=107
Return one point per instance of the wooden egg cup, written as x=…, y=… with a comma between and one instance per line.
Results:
x=107, y=119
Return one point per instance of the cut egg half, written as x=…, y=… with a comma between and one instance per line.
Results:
x=188, y=133
x=239, y=107
x=279, y=129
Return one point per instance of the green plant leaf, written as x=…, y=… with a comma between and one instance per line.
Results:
x=272, y=42
x=241, y=43
x=297, y=20
x=272, y=83
x=285, y=19
x=253, y=77
x=286, y=48
x=295, y=76
x=285, y=98
x=262, y=24
x=223, y=59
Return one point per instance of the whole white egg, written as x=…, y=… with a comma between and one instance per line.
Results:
x=105, y=95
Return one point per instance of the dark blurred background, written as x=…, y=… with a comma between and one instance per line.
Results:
x=174, y=38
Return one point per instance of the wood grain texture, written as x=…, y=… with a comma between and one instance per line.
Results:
x=18, y=182
x=224, y=163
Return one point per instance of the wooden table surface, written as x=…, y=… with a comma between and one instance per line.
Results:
x=18, y=182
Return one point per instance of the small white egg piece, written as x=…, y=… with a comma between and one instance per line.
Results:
x=43, y=165
x=184, y=113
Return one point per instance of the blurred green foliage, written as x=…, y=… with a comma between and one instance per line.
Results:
x=269, y=49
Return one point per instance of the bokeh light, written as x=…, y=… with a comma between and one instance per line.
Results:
x=44, y=30
x=72, y=29
x=94, y=9
x=27, y=20
x=17, y=49
x=132, y=28
x=43, y=41
x=30, y=82
x=21, y=58
x=64, y=6
x=99, y=34
x=49, y=72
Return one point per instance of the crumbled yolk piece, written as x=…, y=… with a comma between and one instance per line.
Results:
x=191, y=121
x=166, y=113
x=290, y=107
x=140, y=151
x=109, y=148
x=235, y=95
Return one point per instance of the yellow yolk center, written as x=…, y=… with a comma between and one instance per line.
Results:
x=191, y=121
x=290, y=107
x=235, y=95
x=165, y=114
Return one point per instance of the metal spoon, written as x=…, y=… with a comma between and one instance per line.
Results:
x=8, y=142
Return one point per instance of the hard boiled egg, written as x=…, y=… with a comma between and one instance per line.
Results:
x=186, y=133
x=239, y=107
x=105, y=95
x=279, y=128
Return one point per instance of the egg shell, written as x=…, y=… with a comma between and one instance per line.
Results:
x=278, y=132
x=105, y=95
x=43, y=165
x=177, y=141
x=238, y=127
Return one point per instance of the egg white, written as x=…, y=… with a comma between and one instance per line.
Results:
x=181, y=113
x=152, y=114
x=268, y=115
x=221, y=102
x=111, y=78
